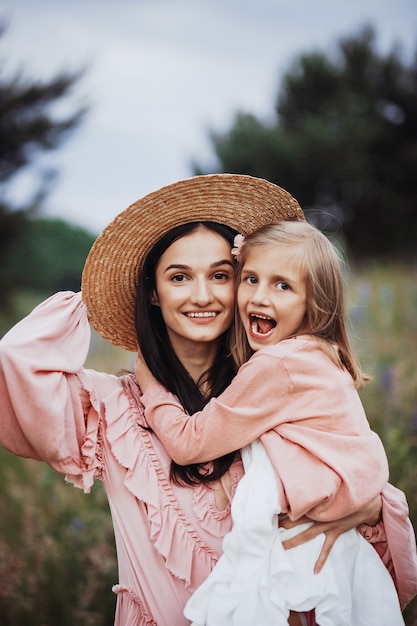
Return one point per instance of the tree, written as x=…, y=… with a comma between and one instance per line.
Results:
x=343, y=142
x=29, y=126
x=50, y=256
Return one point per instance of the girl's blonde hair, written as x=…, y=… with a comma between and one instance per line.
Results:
x=322, y=265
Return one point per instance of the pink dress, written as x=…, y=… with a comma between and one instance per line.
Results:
x=87, y=425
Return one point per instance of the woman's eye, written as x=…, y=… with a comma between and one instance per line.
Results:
x=178, y=278
x=221, y=276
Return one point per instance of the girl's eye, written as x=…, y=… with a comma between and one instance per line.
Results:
x=282, y=286
x=251, y=280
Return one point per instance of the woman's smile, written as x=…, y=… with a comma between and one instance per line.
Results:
x=201, y=315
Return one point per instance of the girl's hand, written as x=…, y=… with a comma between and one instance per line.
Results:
x=144, y=375
x=370, y=514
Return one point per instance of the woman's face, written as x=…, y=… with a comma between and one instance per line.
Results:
x=195, y=288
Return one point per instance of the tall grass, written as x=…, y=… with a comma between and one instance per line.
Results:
x=57, y=558
x=383, y=311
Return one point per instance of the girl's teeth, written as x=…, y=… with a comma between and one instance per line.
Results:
x=261, y=325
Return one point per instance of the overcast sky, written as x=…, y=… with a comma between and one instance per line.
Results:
x=162, y=73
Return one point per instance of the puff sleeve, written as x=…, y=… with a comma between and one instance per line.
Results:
x=43, y=404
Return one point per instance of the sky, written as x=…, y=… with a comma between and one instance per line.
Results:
x=160, y=75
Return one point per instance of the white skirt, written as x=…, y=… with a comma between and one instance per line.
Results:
x=256, y=582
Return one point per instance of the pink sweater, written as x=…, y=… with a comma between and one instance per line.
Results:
x=310, y=419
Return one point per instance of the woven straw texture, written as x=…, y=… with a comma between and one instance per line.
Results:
x=111, y=271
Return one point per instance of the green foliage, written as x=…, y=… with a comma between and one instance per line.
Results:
x=343, y=142
x=12, y=225
x=49, y=256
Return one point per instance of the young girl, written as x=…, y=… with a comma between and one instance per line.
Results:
x=298, y=393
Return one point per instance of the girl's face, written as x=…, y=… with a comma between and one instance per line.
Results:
x=195, y=288
x=272, y=296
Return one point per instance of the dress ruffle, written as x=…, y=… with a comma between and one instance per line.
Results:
x=133, y=447
x=130, y=610
x=91, y=449
x=209, y=517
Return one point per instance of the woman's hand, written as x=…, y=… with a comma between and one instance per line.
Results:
x=144, y=375
x=370, y=514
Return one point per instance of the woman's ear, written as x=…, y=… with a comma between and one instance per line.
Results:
x=154, y=298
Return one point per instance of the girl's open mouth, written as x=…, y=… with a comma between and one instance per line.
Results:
x=261, y=325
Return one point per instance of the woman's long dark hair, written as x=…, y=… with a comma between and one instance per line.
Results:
x=163, y=362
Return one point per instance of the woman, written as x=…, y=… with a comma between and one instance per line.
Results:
x=169, y=523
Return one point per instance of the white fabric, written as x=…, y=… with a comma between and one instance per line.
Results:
x=257, y=582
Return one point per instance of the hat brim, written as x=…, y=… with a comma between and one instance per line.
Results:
x=111, y=271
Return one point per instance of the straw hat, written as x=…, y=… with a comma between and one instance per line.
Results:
x=110, y=276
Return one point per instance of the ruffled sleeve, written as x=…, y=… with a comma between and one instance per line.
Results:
x=45, y=408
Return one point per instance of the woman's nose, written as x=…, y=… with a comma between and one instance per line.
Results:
x=202, y=293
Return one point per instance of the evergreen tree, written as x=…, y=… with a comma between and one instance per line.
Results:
x=343, y=142
x=29, y=126
x=49, y=257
